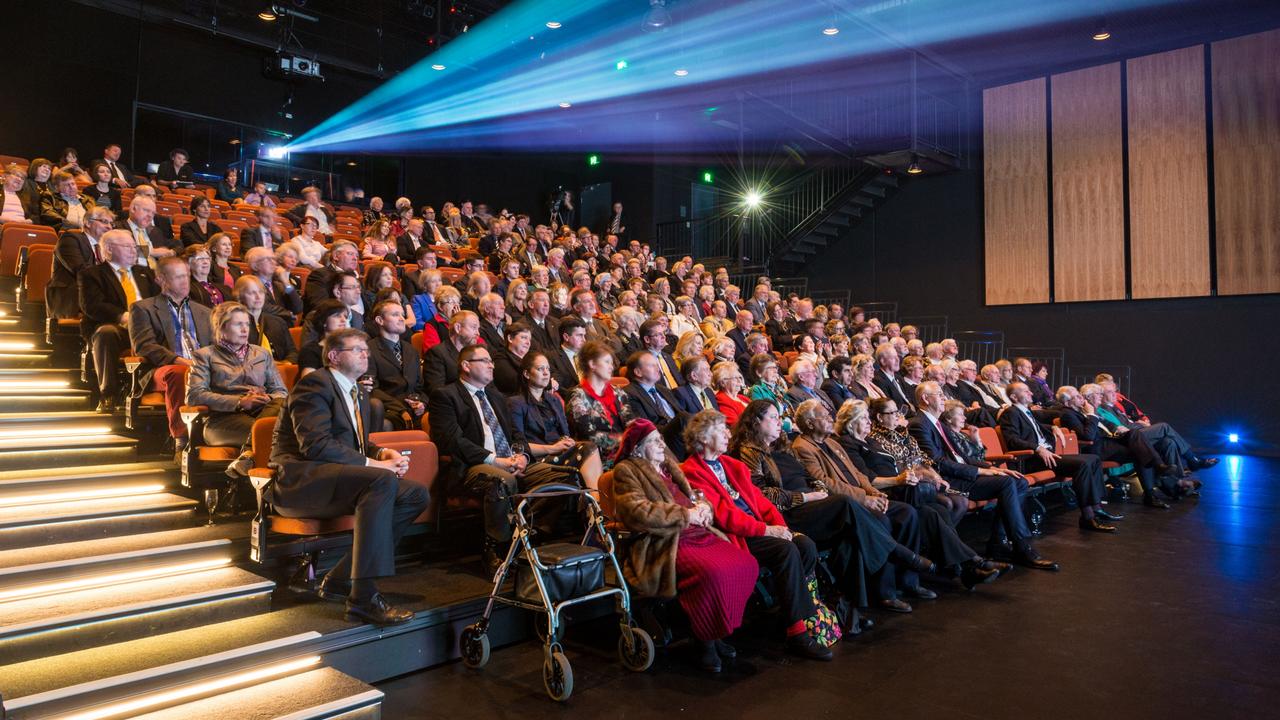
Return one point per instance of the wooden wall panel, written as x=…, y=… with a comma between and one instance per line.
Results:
x=1246, y=153
x=1088, y=185
x=1016, y=192
x=1168, y=175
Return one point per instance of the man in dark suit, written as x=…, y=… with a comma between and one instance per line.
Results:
x=440, y=363
x=411, y=240
x=76, y=250
x=345, y=288
x=493, y=314
x=343, y=257
x=145, y=232
x=616, y=225
x=1022, y=430
x=837, y=386
x=326, y=466
x=564, y=357
x=396, y=367
x=106, y=293
x=166, y=330
x=653, y=333
x=471, y=423
x=283, y=298
x=648, y=398
x=543, y=334
x=265, y=235
x=980, y=480
x=804, y=386
x=886, y=378
x=1076, y=413
x=742, y=323
x=121, y=176
x=585, y=307
x=312, y=207
x=695, y=395
x=16, y=202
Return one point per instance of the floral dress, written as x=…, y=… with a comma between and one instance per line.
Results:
x=598, y=418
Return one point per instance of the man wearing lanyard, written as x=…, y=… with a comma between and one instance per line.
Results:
x=166, y=330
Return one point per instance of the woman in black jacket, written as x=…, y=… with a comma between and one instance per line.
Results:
x=538, y=414
x=201, y=229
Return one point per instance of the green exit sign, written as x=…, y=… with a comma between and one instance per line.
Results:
x=707, y=177
x=593, y=159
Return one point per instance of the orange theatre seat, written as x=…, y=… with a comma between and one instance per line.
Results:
x=1037, y=482
x=16, y=237
x=36, y=273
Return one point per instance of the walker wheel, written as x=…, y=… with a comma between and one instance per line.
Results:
x=557, y=676
x=635, y=649
x=474, y=647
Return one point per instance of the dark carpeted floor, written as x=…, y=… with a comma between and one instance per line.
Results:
x=1175, y=616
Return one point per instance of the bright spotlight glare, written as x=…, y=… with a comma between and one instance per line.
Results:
x=437, y=66
x=276, y=152
x=566, y=105
x=833, y=30
x=1233, y=437
x=752, y=199
x=681, y=72
x=553, y=25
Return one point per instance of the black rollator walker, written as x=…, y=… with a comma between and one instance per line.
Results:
x=553, y=577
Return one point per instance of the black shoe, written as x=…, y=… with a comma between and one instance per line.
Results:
x=707, y=657
x=865, y=623
x=333, y=589
x=491, y=558
x=725, y=650
x=922, y=564
x=803, y=645
x=921, y=592
x=1031, y=559
x=1107, y=516
x=999, y=567
x=895, y=605
x=1096, y=525
x=378, y=611
x=972, y=575
x=1152, y=501
x=1000, y=550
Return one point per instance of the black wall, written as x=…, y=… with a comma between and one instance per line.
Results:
x=1203, y=364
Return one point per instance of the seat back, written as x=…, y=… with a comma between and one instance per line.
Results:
x=424, y=465
x=416, y=341
x=39, y=271
x=13, y=239
x=990, y=439
x=288, y=373
x=296, y=334
x=605, y=485
x=260, y=441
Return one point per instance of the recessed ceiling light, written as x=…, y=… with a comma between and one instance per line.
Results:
x=351, y=163
x=437, y=66
x=234, y=141
x=1100, y=31
x=833, y=30
x=553, y=25
x=566, y=105
x=681, y=72
x=914, y=168
x=268, y=14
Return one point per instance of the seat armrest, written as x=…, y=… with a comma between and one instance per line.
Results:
x=131, y=362
x=1020, y=453
x=999, y=457
x=191, y=412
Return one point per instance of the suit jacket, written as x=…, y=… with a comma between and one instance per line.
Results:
x=440, y=366
x=506, y=370
x=457, y=428
x=314, y=428
x=687, y=399
x=72, y=254
x=492, y=336
x=407, y=249
x=894, y=390
x=153, y=335
x=202, y=296
x=317, y=287
x=963, y=474
x=190, y=233
x=831, y=466
x=642, y=404
x=562, y=369
x=1019, y=432
x=909, y=390
x=837, y=392
x=534, y=426
x=277, y=331
x=796, y=395
x=283, y=301
x=127, y=174
x=30, y=204
x=157, y=235
x=297, y=212
x=102, y=299
x=739, y=339
x=545, y=338
x=251, y=237
x=621, y=219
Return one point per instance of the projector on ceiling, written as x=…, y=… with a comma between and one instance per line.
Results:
x=297, y=65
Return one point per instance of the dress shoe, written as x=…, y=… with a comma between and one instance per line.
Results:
x=725, y=650
x=378, y=611
x=865, y=623
x=921, y=592
x=491, y=558
x=1031, y=559
x=1107, y=515
x=999, y=567
x=972, y=575
x=922, y=564
x=240, y=467
x=333, y=589
x=707, y=657
x=1152, y=501
x=106, y=406
x=1000, y=549
x=803, y=645
x=1199, y=463
x=1096, y=525
x=895, y=605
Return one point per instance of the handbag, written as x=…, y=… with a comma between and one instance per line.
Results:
x=571, y=571
x=823, y=625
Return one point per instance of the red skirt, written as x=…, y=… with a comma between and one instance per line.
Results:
x=714, y=580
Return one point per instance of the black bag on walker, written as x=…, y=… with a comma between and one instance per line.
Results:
x=572, y=571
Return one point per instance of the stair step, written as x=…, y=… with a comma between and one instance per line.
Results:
x=872, y=189
x=55, y=576
x=237, y=532
x=44, y=485
x=863, y=201
x=33, y=525
x=104, y=449
x=50, y=625
x=156, y=687
x=312, y=695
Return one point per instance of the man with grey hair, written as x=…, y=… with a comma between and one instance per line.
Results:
x=266, y=235
x=164, y=222
x=804, y=379
x=756, y=343
x=969, y=391
x=153, y=242
x=993, y=383
x=1076, y=410
x=107, y=291
x=1021, y=429
x=886, y=378
x=76, y=250
x=343, y=257
x=282, y=298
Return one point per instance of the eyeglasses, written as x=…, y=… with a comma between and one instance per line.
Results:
x=891, y=412
x=356, y=350
x=481, y=360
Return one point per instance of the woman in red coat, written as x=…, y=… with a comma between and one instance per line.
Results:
x=751, y=521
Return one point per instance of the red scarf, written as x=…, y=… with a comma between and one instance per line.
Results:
x=608, y=400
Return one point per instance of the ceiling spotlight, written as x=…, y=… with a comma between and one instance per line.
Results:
x=437, y=66
x=553, y=24
x=566, y=105
x=914, y=167
x=351, y=163
x=1100, y=31
x=752, y=199
x=833, y=30
x=681, y=72
x=268, y=14
x=657, y=19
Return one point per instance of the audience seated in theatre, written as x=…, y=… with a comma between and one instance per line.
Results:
x=283, y=299
x=106, y=292
x=153, y=241
x=18, y=202
x=804, y=385
x=266, y=234
x=538, y=413
x=727, y=383
x=259, y=196
x=228, y=188
x=121, y=177
x=312, y=208
x=597, y=411
x=309, y=244
x=396, y=367
x=564, y=363
x=75, y=251
x=1175, y=450
x=220, y=251
x=440, y=364
x=696, y=394
x=65, y=208
x=176, y=171
x=204, y=289
x=509, y=356
x=837, y=387
x=266, y=330
x=448, y=301
x=327, y=317
x=101, y=191
x=1075, y=411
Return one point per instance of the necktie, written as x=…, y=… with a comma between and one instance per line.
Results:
x=1035, y=425
x=355, y=405
x=144, y=246
x=666, y=373
x=115, y=171
x=263, y=340
x=501, y=447
x=395, y=350
x=97, y=256
x=945, y=440
x=657, y=400
x=706, y=404
x=187, y=343
x=616, y=224
x=130, y=295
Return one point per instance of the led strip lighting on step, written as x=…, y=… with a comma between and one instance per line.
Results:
x=39, y=433
x=35, y=384
x=113, y=578
x=103, y=493
x=167, y=697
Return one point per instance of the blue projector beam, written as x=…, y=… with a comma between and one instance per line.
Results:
x=503, y=83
